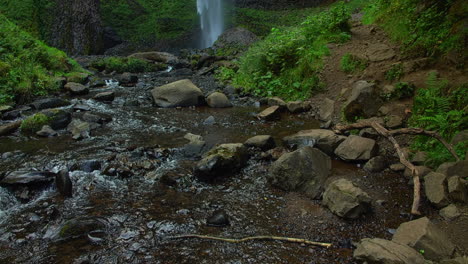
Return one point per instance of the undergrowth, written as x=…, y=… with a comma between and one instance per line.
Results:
x=352, y=64
x=125, y=64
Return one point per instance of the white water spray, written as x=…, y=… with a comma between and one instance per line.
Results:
x=211, y=19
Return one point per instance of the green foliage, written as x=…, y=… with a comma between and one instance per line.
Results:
x=34, y=123
x=29, y=67
x=225, y=74
x=288, y=61
x=394, y=73
x=402, y=90
x=125, y=64
x=352, y=64
x=443, y=110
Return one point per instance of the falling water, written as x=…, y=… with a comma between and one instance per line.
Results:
x=211, y=20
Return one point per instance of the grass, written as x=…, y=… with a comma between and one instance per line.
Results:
x=352, y=64
x=34, y=123
x=124, y=64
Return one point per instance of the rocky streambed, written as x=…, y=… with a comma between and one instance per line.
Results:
x=142, y=175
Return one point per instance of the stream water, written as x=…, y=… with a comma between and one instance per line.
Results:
x=131, y=217
x=211, y=15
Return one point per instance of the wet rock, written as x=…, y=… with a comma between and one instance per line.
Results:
x=182, y=93
x=376, y=164
x=76, y=88
x=235, y=38
x=79, y=129
x=47, y=103
x=394, y=121
x=346, y=200
x=435, y=189
x=304, y=170
x=12, y=114
x=270, y=114
x=380, y=251
x=5, y=108
x=219, y=219
x=323, y=139
x=99, y=118
x=96, y=82
x=58, y=119
x=379, y=52
x=105, y=96
x=450, y=212
x=81, y=107
x=64, y=184
x=46, y=131
x=218, y=100
x=422, y=234
x=276, y=101
x=297, y=107
x=9, y=128
x=209, y=121
x=263, y=142
x=27, y=177
x=90, y=165
x=195, y=147
x=222, y=160
x=273, y=154
x=81, y=78
x=127, y=79
x=397, y=167
x=458, y=189
x=419, y=158
x=326, y=109
x=155, y=56
x=363, y=102
x=81, y=227
x=356, y=148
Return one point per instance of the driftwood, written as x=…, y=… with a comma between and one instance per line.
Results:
x=404, y=160
x=245, y=239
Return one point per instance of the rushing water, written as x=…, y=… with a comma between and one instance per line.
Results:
x=211, y=21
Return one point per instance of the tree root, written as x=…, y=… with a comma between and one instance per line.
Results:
x=245, y=239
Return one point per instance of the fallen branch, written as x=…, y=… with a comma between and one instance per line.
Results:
x=245, y=239
x=389, y=135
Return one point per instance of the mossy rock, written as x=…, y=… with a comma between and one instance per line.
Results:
x=34, y=123
x=80, y=227
x=78, y=77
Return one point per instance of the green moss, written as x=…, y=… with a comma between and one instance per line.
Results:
x=34, y=123
x=352, y=64
x=125, y=64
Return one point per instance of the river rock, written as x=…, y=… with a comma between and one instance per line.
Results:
x=356, y=148
x=96, y=82
x=156, y=56
x=81, y=227
x=219, y=219
x=363, y=102
x=326, y=109
x=47, y=103
x=276, y=101
x=27, y=177
x=218, y=100
x=380, y=251
x=323, y=139
x=76, y=88
x=10, y=115
x=195, y=147
x=222, y=160
x=127, y=79
x=46, y=131
x=181, y=93
x=100, y=118
x=58, y=118
x=304, y=170
x=346, y=200
x=9, y=128
x=435, y=189
x=454, y=168
x=105, y=96
x=64, y=183
x=458, y=189
x=450, y=212
x=209, y=121
x=422, y=234
x=270, y=114
x=80, y=77
x=90, y=165
x=297, y=107
x=79, y=129
x=379, y=52
x=263, y=142
x=376, y=164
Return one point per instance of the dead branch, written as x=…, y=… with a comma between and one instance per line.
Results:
x=245, y=239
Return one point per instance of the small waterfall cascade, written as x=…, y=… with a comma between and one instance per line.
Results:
x=211, y=20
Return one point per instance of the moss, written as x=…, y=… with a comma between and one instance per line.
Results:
x=34, y=123
x=124, y=64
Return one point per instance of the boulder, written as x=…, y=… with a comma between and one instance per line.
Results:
x=380, y=251
x=100, y=118
x=263, y=142
x=450, y=212
x=195, y=147
x=80, y=77
x=276, y=101
x=27, y=177
x=297, y=107
x=419, y=158
x=270, y=114
x=81, y=227
x=9, y=128
x=346, y=200
x=238, y=37
x=379, y=52
x=422, y=234
x=457, y=168
x=79, y=129
x=326, y=109
x=222, y=160
x=458, y=189
x=181, y=93
x=46, y=131
x=58, y=119
x=376, y=164
x=76, y=88
x=49, y=103
x=64, y=184
x=155, y=56
x=304, y=170
x=96, y=82
x=394, y=121
x=218, y=100
x=104, y=96
x=218, y=219
x=356, y=148
x=435, y=189
x=323, y=139
x=363, y=102
x=127, y=79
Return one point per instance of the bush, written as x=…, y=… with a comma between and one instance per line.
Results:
x=34, y=123
x=125, y=64
x=394, y=73
x=352, y=64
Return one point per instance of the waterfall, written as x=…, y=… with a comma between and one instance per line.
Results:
x=211, y=20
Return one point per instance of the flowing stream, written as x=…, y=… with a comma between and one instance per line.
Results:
x=211, y=21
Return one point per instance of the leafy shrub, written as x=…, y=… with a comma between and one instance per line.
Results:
x=395, y=72
x=125, y=64
x=402, y=90
x=34, y=123
x=352, y=64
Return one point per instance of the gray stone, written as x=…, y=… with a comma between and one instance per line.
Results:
x=46, y=131
x=457, y=260
x=9, y=128
x=270, y=114
x=457, y=189
x=195, y=147
x=276, y=101
x=376, y=164
x=326, y=109
x=209, y=121
x=296, y=107
x=155, y=56
x=304, y=170
x=379, y=52
x=394, y=121
x=181, y=93
x=397, y=167
x=238, y=38
x=99, y=118
x=444, y=167
x=419, y=158
x=263, y=142
x=76, y=88
x=105, y=96
x=380, y=251
x=450, y=212
x=127, y=79
x=218, y=100
x=325, y=140
x=79, y=129
x=346, y=200
x=369, y=133
x=58, y=118
x=356, y=148
x=422, y=234
x=363, y=102
x=435, y=189
x=49, y=103
x=27, y=177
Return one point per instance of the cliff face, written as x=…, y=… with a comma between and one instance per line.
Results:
x=278, y=4
x=77, y=27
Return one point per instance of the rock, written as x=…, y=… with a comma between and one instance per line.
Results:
x=219, y=219
x=99, y=118
x=79, y=129
x=218, y=100
x=458, y=260
x=81, y=78
x=195, y=147
x=81, y=227
x=12, y=114
x=46, y=131
x=155, y=56
x=326, y=109
x=5, y=108
x=81, y=107
x=457, y=189
x=127, y=79
x=222, y=160
x=394, y=121
x=450, y=212
x=238, y=38
x=369, y=133
x=296, y=107
x=90, y=165
x=263, y=142
x=380, y=251
x=276, y=101
x=363, y=102
x=181, y=93
x=379, y=52
x=325, y=140
x=460, y=137
x=58, y=119
x=27, y=177
x=444, y=167
x=270, y=114
x=397, y=167
x=435, y=189
x=209, y=121
x=105, y=96
x=96, y=82
x=64, y=184
x=304, y=170
x=376, y=164
x=422, y=234
x=346, y=200
x=76, y=88
x=423, y=171
x=49, y=103
x=419, y=158
x=9, y=128
x=458, y=168
x=356, y=148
